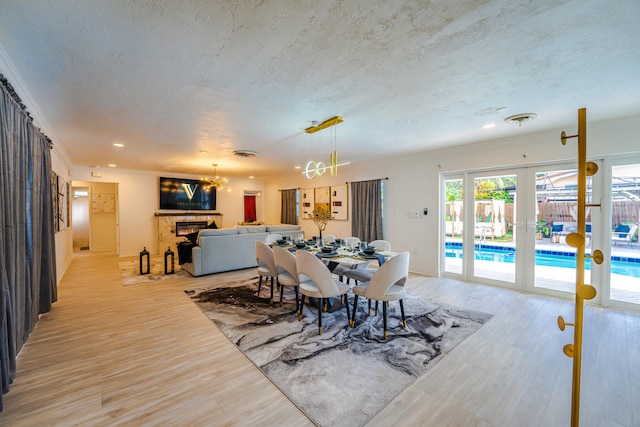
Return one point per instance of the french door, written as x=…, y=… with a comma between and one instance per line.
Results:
x=480, y=234
x=519, y=220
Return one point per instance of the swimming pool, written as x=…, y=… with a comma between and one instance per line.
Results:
x=619, y=265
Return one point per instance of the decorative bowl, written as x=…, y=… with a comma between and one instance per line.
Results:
x=282, y=241
x=369, y=250
x=300, y=245
x=327, y=249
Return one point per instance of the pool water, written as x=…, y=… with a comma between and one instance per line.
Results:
x=619, y=265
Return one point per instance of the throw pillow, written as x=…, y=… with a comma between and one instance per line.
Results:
x=212, y=225
x=556, y=228
x=192, y=237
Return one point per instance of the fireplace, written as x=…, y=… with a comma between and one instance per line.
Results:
x=188, y=227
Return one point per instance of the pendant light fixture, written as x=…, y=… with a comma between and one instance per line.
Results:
x=315, y=168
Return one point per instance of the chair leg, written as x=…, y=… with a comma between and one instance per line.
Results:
x=271, y=300
x=377, y=307
x=404, y=322
x=368, y=307
x=320, y=304
x=259, y=284
x=297, y=298
x=281, y=293
x=355, y=306
x=301, y=307
x=346, y=306
x=384, y=317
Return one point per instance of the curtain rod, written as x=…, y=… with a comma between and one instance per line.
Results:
x=285, y=189
x=385, y=178
x=14, y=95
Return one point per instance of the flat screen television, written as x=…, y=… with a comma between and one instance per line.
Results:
x=187, y=194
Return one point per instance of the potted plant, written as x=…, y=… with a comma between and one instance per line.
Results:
x=320, y=216
x=542, y=229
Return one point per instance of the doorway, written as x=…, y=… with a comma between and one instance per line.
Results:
x=95, y=217
x=80, y=214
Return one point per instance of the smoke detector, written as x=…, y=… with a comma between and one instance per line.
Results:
x=520, y=118
x=245, y=153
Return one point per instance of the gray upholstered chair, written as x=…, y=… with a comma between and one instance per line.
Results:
x=285, y=263
x=266, y=265
x=316, y=281
x=384, y=287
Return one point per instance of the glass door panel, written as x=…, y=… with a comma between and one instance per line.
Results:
x=625, y=252
x=494, y=214
x=556, y=216
x=453, y=233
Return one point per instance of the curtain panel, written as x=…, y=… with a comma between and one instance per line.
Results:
x=288, y=207
x=366, y=210
x=27, y=240
x=250, y=208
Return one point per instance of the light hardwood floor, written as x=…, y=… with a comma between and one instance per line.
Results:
x=145, y=355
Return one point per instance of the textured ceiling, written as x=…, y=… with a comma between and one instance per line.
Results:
x=173, y=79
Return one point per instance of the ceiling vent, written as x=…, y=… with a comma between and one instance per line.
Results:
x=520, y=118
x=245, y=153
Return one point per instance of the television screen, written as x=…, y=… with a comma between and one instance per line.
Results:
x=186, y=194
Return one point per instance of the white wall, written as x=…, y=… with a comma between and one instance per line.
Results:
x=138, y=194
x=414, y=180
x=64, y=238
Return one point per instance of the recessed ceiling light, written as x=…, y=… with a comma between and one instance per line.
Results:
x=298, y=167
x=520, y=118
x=488, y=125
x=250, y=176
x=204, y=152
x=112, y=165
x=118, y=144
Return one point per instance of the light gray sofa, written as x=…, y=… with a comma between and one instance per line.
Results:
x=226, y=249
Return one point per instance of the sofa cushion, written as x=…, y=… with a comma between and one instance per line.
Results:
x=217, y=231
x=557, y=227
x=246, y=229
x=283, y=227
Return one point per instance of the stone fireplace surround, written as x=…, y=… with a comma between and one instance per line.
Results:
x=167, y=227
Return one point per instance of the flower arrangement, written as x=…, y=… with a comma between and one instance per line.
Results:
x=320, y=216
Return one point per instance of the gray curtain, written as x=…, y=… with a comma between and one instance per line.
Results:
x=27, y=252
x=288, y=207
x=366, y=210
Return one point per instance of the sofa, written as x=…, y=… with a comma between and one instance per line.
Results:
x=226, y=249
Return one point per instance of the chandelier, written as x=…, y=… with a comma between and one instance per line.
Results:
x=318, y=168
x=217, y=181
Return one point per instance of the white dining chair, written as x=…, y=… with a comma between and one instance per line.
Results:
x=316, y=281
x=383, y=287
x=266, y=265
x=285, y=263
x=329, y=238
x=272, y=238
x=381, y=245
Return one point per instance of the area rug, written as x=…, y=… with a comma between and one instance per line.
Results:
x=346, y=375
x=130, y=272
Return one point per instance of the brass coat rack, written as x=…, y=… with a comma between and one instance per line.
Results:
x=584, y=291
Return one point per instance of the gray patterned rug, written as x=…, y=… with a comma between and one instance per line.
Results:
x=344, y=376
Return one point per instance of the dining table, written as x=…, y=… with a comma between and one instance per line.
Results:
x=340, y=256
